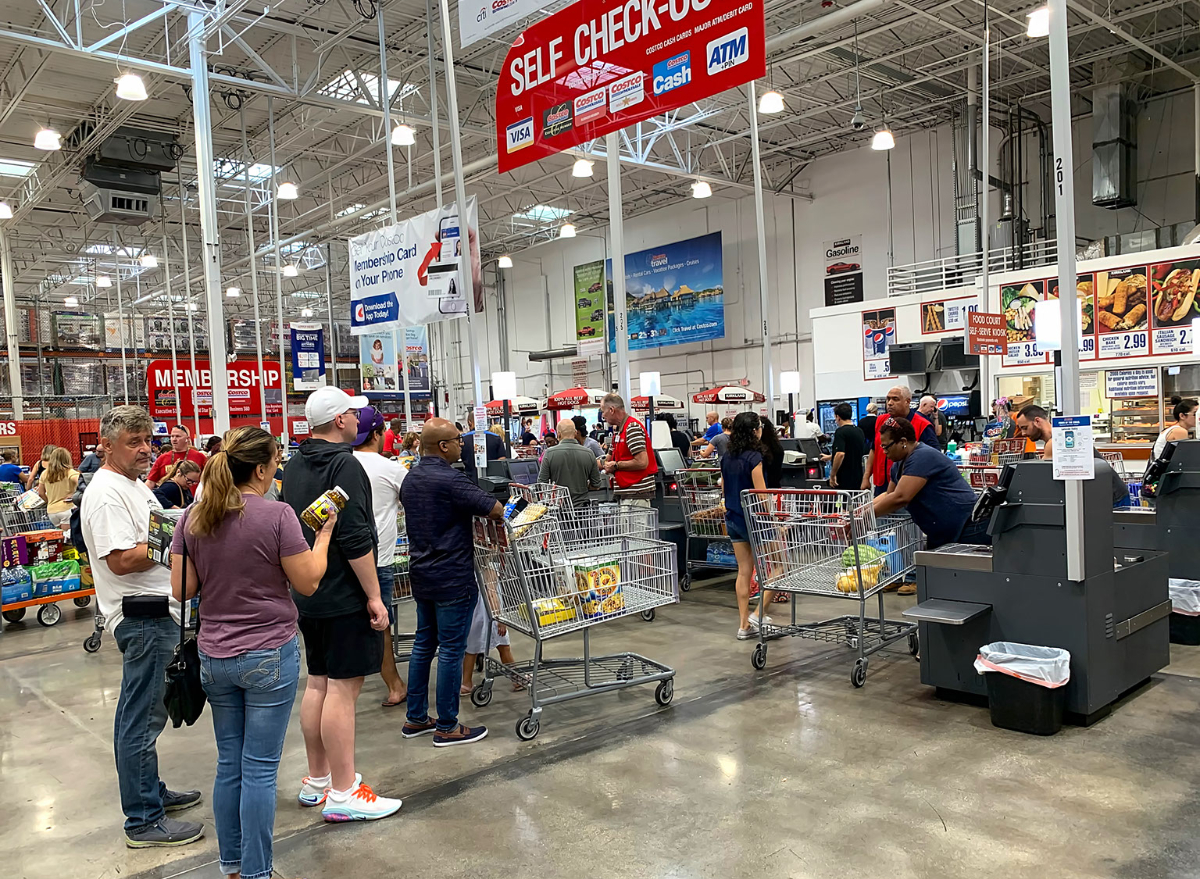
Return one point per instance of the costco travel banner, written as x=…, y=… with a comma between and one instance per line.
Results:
x=589, y=308
x=600, y=66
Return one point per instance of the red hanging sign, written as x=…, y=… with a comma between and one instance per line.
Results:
x=163, y=383
x=597, y=67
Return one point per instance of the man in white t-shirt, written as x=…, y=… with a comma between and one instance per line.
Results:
x=134, y=594
x=385, y=477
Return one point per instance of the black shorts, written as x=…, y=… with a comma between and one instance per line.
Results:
x=341, y=647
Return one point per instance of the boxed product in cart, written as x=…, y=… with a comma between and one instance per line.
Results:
x=162, y=532
x=55, y=578
x=16, y=584
x=598, y=583
x=33, y=548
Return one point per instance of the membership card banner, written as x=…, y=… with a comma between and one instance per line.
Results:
x=600, y=66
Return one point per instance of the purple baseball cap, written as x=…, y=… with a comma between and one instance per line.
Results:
x=369, y=419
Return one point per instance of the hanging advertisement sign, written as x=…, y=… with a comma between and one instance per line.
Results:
x=596, y=67
x=1019, y=302
x=416, y=360
x=843, y=271
x=947, y=315
x=408, y=274
x=589, y=308
x=478, y=19
x=579, y=373
x=986, y=333
x=377, y=362
x=195, y=389
x=674, y=294
x=879, y=332
x=308, y=356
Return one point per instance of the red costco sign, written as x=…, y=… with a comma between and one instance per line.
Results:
x=986, y=333
x=163, y=383
x=600, y=66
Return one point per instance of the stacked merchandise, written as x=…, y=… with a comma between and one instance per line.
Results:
x=37, y=564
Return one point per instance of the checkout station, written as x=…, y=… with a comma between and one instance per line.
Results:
x=1114, y=622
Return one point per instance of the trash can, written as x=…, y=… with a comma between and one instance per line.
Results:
x=1026, y=685
x=1185, y=611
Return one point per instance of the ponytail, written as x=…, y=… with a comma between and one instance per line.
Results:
x=243, y=451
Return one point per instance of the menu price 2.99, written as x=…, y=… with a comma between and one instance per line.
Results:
x=1129, y=344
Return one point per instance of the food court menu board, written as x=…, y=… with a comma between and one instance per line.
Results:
x=1131, y=312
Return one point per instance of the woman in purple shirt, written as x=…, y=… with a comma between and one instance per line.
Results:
x=242, y=552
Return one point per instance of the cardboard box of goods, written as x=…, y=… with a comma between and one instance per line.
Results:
x=162, y=532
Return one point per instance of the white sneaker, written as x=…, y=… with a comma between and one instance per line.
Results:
x=754, y=624
x=746, y=634
x=362, y=805
x=315, y=794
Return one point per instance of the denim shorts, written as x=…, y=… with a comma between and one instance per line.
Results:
x=736, y=529
x=387, y=581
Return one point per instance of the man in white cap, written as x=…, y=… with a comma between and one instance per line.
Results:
x=342, y=620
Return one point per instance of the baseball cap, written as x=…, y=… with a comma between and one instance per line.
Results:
x=327, y=403
x=369, y=419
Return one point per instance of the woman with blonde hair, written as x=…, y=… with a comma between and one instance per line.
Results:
x=39, y=468
x=57, y=485
x=240, y=552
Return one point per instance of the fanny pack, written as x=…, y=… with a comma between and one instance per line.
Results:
x=145, y=607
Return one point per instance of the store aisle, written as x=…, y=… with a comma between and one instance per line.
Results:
x=787, y=773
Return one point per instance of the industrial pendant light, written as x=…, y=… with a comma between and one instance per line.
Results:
x=47, y=139
x=505, y=262
x=883, y=139
x=233, y=292
x=1039, y=23
x=701, y=189
x=567, y=231
x=403, y=135
x=771, y=102
x=103, y=281
x=290, y=271
x=5, y=211
x=583, y=168
x=130, y=87
x=148, y=261
x=287, y=191
x=71, y=302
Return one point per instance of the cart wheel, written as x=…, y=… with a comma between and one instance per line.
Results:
x=479, y=663
x=665, y=692
x=648, y=615
x=92, y=644
x=528, y=728
x=858, y=675
x=914, y=645
x=49, y=614
x=84, y=601
x=685, y=582
x=759, y=659
x=14, y=616
x=481, y=695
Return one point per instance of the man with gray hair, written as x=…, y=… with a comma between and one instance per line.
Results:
x=936, y=417
x=631, y=464
x=899, y=405
x=570, y=465
x=134, y=595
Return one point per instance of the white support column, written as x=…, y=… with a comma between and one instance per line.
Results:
x=1064, y=196
x=761, y=226
x=10, y=328
x=122, y=327
x=258, y=346
x=985, y=227
x=616, y=226
x=385, y=101
x=189, y=308
x=214, y=295
x=274, y=215
x=466, y=278
x=171, y=319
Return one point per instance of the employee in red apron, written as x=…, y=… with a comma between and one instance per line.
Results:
x=631, y=463
x=899, y=405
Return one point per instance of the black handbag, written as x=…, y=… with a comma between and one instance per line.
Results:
x=184, y=696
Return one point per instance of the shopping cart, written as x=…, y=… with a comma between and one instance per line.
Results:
x=703, y=506
x=402, y=642
x=534, y=584
x=556, y=497
x=831, y=544
x=598, y=524
x=14, y=522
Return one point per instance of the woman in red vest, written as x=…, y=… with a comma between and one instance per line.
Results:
x=631, y=463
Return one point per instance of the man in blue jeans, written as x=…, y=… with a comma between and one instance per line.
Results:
x=134, y=595
x=440, y=504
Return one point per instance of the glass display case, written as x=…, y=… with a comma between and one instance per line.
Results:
x=1135, y=421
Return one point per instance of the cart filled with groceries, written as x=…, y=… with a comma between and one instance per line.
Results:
x=831, y=544
x=703, y=505
x=38, y=566
x=547, y=573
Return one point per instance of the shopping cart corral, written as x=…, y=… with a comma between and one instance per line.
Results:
x=831, y=544
x=703, y=505
x=559, y=575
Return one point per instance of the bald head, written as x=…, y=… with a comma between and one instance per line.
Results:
x=712, y=417
x=566, y=429
x=441, y=439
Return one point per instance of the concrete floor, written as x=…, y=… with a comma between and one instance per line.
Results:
x=785, y=773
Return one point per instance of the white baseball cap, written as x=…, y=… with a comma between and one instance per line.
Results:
x=327, y=403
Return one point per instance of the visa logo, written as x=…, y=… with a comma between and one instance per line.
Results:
x=672, y=73
x=729, y=51
x=519, y=135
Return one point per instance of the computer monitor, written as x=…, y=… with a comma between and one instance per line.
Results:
x=789, y=444
x=523, y=471
x=497, y=469
x=811, y=449
x=671, y=460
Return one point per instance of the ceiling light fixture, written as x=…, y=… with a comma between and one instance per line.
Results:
x=883, y=139
x=505, y=262
x=148, y=261
x=583, y=168
x=287, y=191
x=5, y=211
x=1039, y=22
x=290, y=271
x=71, y=302
x=771, y=102
x=47, y=139
x=306, y=312
x=130, y=87
x=103, y=281
x=567, y=231
x=403, y=135
x=701, y=189
x=233, y=292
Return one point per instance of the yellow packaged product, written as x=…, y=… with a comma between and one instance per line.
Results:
x=549, y=611
x=599, y=584
x=527, y=516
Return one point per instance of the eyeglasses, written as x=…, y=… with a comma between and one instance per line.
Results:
x=454, y=439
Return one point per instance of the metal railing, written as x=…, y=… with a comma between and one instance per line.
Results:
x=956, y=272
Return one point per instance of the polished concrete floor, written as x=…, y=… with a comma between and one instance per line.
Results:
x=787, y=772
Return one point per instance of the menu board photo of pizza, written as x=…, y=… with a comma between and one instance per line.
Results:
x=1173, y=305
x=1122, y=313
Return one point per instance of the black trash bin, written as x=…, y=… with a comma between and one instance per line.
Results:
x=1024, y=707
x=1185, y=629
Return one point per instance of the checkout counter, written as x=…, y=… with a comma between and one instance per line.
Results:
x=1174, y=523
x=1113, y=622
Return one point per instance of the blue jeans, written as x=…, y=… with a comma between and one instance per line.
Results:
x=251, y=697
x=442, y=628
x=146, y=648
x=387, y=583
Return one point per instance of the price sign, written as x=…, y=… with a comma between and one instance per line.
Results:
x=481, y=423
x=1176, y=340
x=877, y=369
x=1024, y=354
x=1133, y=343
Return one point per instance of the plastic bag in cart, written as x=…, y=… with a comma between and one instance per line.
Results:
x=1048, y=667
x=1185, y=596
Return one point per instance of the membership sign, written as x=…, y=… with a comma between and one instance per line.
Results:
x=597, y=67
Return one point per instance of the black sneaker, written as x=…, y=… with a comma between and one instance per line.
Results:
x=411, y=730
x=164, y=832
x=177, y=801
x=464, y=735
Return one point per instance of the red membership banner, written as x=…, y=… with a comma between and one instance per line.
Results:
x=598, y=66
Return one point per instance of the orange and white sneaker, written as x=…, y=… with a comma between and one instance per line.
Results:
x=362, y=804
x=313, y=793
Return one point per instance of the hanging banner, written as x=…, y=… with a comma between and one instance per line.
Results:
x=589, y=308
x=377, y=362
x=478, y=19
x=986, y=333
x=308, y=356
x=408, y=274
x=195, y=389
x=843, y=271
x=879, y=332
x=596, y=67
x=416, y=360
x=674, y=294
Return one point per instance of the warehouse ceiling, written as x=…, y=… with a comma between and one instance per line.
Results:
x=311, y=67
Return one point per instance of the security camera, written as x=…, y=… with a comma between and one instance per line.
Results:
x=858, y=122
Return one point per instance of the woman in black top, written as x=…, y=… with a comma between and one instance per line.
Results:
x=176, y=492
x=772, y=454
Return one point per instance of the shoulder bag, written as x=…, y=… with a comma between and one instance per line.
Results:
x=184, y=696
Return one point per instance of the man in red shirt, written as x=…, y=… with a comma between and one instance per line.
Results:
x=899, y=405
x=181, y=448
x=392, y=438
x=631, y=464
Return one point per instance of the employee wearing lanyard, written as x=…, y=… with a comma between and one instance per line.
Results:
x=930, y=486
x=631, y=463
